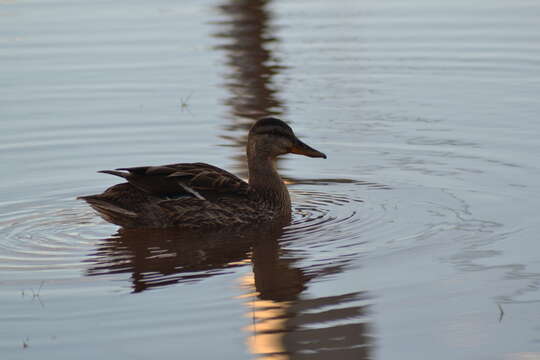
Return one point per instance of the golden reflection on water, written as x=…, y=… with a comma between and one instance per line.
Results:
x=268, y=322
x=284, y=324
x=287, y=324
x=267, y=339
x=303, y=328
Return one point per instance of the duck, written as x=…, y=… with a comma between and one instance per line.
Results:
x=201, y=196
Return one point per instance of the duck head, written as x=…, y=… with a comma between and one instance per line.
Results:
x=270, y=137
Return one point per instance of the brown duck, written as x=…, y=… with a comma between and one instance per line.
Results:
x=198, y=195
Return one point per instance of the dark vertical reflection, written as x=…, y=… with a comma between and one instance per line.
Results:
x=247, y=43
x=246, y=39
x=286, y=325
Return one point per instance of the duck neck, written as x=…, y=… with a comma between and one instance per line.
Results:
x=265, y=180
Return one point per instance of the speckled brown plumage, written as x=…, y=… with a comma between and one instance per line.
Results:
x=156, y=199
x=198, y=195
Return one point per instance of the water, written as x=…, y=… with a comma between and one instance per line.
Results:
x=417, y=238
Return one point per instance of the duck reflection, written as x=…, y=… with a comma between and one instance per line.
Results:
x=285, y=324
x=164, y=257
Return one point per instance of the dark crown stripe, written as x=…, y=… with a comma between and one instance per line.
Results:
x=272, y=126
x=270, y=121
x=272, y=130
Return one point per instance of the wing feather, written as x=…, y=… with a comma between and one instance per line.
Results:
x=174, y=179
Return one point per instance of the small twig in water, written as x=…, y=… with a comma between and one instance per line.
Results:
x=35, y=295
x=501, y=312
x=184, y=102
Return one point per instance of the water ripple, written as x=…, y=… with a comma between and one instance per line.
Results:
x=46, y=234
x=327, y=228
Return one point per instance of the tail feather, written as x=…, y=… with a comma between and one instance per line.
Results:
x=110, y=212
x=114, y=172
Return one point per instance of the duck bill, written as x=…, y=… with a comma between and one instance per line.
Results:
x=303, y=149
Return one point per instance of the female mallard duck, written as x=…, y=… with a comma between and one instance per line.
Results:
x=199, y=195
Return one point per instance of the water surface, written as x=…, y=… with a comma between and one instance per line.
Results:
x=417, y=238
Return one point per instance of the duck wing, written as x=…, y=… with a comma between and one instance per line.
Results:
x=198, y=179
